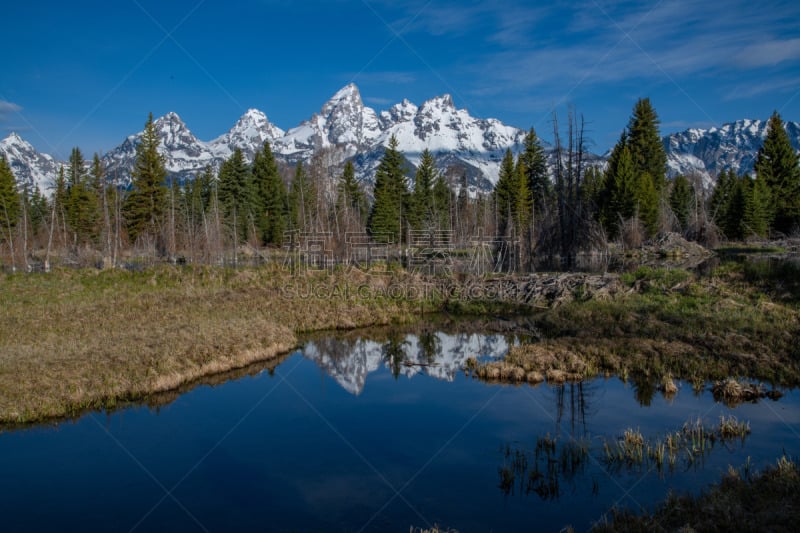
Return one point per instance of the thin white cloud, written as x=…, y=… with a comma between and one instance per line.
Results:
x=756, y=89
x=375, y=100
x=769, y=53
x=7, y=108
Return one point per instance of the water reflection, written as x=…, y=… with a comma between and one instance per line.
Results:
x=350, y=358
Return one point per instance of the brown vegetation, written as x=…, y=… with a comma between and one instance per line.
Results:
x=74, y=340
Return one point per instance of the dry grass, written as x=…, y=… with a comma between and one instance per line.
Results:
x=769, y=501
x=667, y=327
x=75, y=340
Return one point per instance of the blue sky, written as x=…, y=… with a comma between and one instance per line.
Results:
x=87, y=73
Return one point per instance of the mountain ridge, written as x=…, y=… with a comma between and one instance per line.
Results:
x=347, y=129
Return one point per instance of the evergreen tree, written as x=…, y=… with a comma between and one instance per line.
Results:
x=523, y=201
x=81, y=203
x=721, y=198
x=442, y=202
x=621, y=187
x=234, y=198
x=644, y=141
x=386, y=217
x=302, y=200
x=778, y=165
x=505, y=196
x=680, y=199
x=144, y=207
x=756, y=213
x=269, y=197
x=421, y=214
x=350, y=197
x=647, y=203
x=535, y=161
x=37, y=209
x=9, y=200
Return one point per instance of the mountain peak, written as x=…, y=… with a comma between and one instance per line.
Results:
x=444, y=101
x=14, y=138
x=346, y=97
x=169, y=118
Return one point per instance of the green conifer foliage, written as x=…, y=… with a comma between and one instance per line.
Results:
x=350, y=197
x=422, y=215
x=778, y=165
x=82, y=206
x=647, y=203
x=442, y=202
x=644, y=140
x=505, y=195
x=680, y=199
x=9, y=200
x=302, y=199
x=269, y=197
x=145, y=205
x=757, y=205
x=535, y=161
x=234, y=193
x=385, y=222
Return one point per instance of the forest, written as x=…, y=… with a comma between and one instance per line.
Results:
x=543, y=206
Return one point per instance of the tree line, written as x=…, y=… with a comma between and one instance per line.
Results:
x=541, y=206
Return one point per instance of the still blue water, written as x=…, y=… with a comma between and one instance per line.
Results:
x=341, y=439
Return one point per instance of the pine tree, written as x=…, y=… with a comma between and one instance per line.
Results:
x=680, y=199
x=9, y=200
x=350, y=198
x=145, y=205
x=505, y=196
x=269, y=197
x=523, y=202
x=81, y=201
x=302, y=200
x=756, y=213
x=721, y=198
x=778, y=165
x=386, y=218
x=442, y=203
x=644, y=141
x=234, y=193
x=535, y=161
x=621, y=189
x=421, y=214
x=647, y=203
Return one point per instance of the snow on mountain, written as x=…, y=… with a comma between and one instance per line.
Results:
x=184, y=155
x=343, y=122
x=248, y=134
x=707, y=152
x=349, y=362
x=31, y=168
x=347, y=129
x=453, y=136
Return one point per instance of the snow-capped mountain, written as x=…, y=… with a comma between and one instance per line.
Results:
x=248, y=134
x=31, y=168
x=347, y=129
x=707, y=152
x=343, y=122
x=184, y=154
x=349, y=362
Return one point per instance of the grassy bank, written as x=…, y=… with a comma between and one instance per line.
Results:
x=742, y=501
x=668, y=324
x=75, y=340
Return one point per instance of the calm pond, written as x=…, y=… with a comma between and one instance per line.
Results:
x=377, y=430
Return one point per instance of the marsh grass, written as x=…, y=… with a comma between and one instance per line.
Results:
x=741, y=501
x=686, y=446
x=669, y=324
x=542, y=470
x=82, y=339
